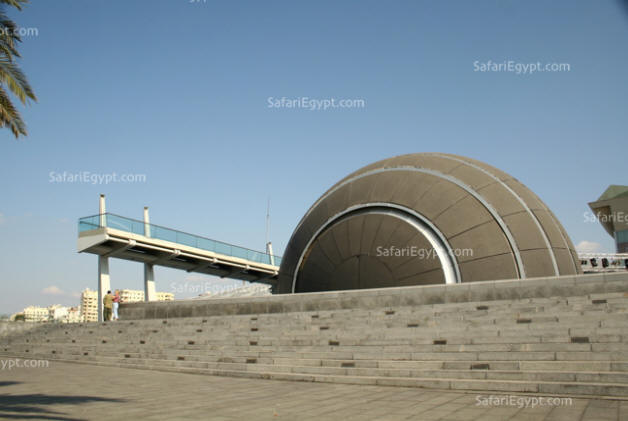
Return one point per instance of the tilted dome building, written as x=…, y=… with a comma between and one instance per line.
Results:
x=424, y=218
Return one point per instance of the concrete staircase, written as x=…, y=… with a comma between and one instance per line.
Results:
x=560, y=345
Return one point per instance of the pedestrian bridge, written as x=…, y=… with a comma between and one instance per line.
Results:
x=110, y=235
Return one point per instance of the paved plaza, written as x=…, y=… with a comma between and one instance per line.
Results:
x=65, y=391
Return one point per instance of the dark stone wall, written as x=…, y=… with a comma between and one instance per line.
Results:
x=563, y=286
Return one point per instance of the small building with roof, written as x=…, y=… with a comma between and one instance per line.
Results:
x=611, y=210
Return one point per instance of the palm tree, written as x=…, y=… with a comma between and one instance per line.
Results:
x=11, y=76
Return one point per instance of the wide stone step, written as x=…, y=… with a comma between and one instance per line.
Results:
x=582, y=344
x=558, y=388
x=617, y=323
x=348, y=368
x=586, y=368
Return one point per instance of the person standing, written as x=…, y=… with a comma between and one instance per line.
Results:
x=107, y=302
x=116, y=304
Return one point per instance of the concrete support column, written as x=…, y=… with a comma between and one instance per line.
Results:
x=150, y=293
x=104, y=283
x=269, y=251
x=146, y=222
x=102, y=211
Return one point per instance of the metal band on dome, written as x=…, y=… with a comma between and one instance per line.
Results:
x=562, y=235
x=435, y=237
x=521, y=201
x=511, y=240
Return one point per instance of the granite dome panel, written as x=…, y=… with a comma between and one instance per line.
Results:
x=425, y=218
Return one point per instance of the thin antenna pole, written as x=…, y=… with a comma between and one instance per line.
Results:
x=268, y=221
x=269, y=246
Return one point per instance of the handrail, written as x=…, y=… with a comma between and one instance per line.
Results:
x=159, y=232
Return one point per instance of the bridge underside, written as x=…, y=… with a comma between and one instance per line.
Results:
x=108, y=242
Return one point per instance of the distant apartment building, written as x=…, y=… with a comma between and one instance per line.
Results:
x=74, y=315
x=165, y=296
x=33, y=314
x=57, y=313
x=134, y=295
x=89, y=306
x=131, y=295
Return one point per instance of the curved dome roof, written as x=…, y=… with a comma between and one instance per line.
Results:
x=424, y=218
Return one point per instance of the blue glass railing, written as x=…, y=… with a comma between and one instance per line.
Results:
x=161, y=233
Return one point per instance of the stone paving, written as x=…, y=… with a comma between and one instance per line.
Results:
x=64, y=391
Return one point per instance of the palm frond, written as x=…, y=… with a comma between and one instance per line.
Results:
x=15, y=3
x=10, y=117
x=9, y=36
x=12, y=76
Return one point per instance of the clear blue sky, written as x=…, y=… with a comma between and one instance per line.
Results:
x=178, y=91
